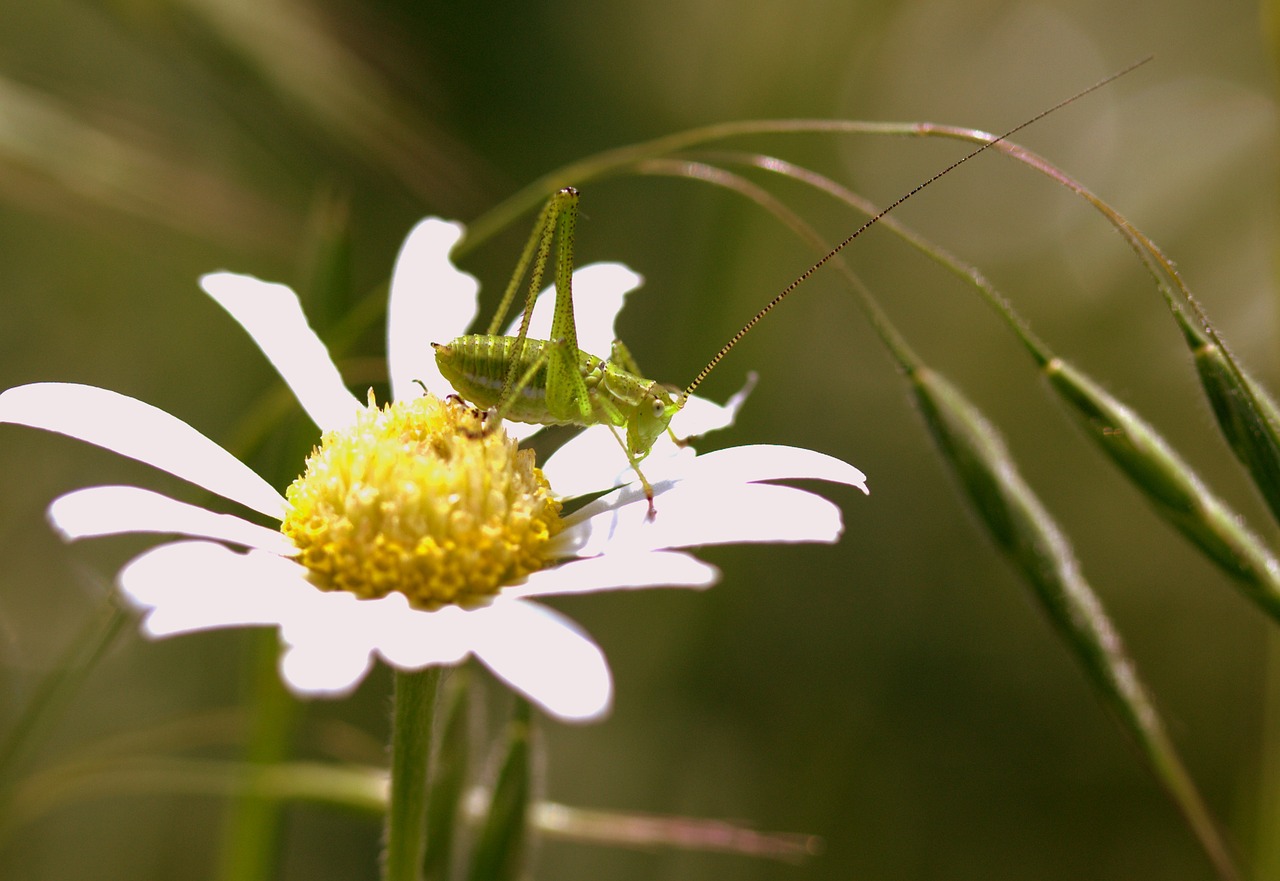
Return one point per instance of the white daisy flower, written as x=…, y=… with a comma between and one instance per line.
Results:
x=412, y=535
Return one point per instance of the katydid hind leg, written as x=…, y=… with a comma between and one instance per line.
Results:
x=538, y=243
x=621, y=355
x=567, y=395
x=558, y=216
x=565, y=390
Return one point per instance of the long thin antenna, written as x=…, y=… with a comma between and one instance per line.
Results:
x=746, y=328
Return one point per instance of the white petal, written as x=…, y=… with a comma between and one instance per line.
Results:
x=140, y=431
x=618, y=571
x=189, y=586
x=111, y=510
x=700, y=416
x=406, y=637
x=756, y=462
x=273, y=316
x=417, y=638
x=599, y=291
x=331, y=637
x=319, y=670
x=431, y=301
x=329, y=644
x=590, y=461
x=693, y=513
x=545, y=656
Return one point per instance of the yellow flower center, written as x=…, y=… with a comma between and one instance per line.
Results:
x=418, y=497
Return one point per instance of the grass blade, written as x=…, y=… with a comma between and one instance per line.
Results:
x=449, y=779
x=1170, y=485
x=1034, y=543
x=500, y=848
x=1247, y=416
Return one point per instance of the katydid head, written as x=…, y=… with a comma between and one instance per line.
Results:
x=651, y=417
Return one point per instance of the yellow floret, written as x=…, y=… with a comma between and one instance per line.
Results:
x=418, y=497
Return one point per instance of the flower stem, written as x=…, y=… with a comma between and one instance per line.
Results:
x=411, y=726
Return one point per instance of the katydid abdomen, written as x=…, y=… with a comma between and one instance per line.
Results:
x=479, y=366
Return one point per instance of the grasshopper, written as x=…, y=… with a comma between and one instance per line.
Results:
x=553, y=382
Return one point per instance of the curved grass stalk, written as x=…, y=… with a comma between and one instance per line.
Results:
x=1021, y=527
x=620, y=160
x=351, y=787
x=1246, y=413
x=363, y=789
x=1170, y=485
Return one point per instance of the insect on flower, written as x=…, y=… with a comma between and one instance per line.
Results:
x=411, y=534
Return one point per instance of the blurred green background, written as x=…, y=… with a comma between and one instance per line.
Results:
x=896, y=694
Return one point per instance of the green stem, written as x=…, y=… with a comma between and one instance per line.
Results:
x=412, y=721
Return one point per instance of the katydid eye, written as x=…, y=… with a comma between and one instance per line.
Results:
x=659, y=409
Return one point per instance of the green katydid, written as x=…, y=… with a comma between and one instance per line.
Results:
x=553, y=382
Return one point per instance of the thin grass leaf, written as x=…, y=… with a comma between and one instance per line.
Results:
x=1247, y=415
x=498, y=854
x=412, y=725
x=294, y=50
x=362, y=790
x=350, y=787
x=1034, y=543
x=250, y=846
x=49, y=700
x=54, y=150
x=449, y=779
x=618, y=160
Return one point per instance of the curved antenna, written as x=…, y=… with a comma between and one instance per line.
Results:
x=746, y=328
